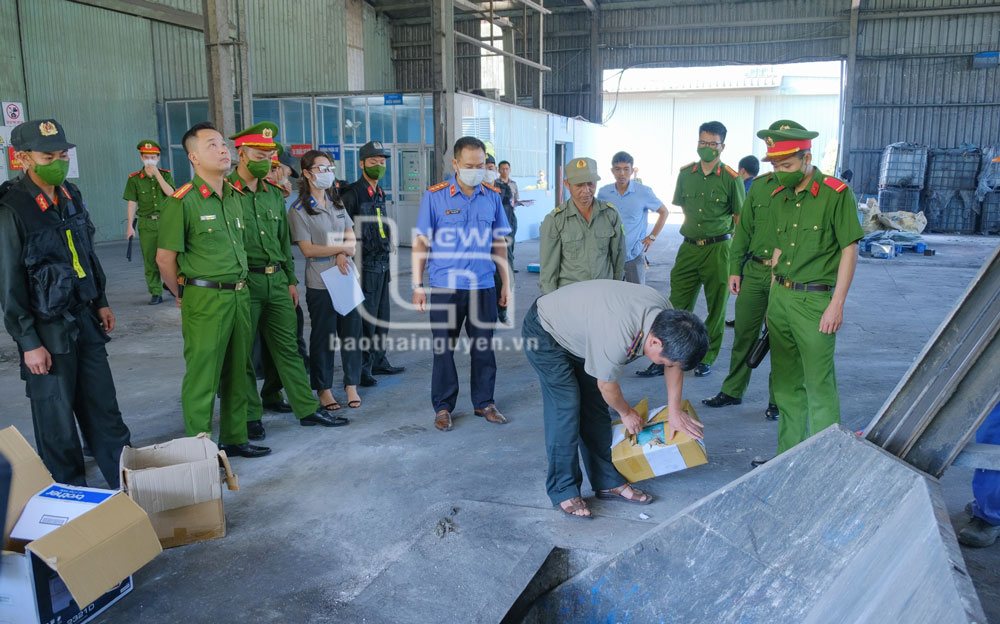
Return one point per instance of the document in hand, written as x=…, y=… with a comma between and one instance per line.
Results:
x=345, y=290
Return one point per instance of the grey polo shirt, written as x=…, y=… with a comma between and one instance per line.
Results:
x=605, y=322
x=324, y=228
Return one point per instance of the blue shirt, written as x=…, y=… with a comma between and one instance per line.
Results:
x=632, y=206
x=747, y=183
x=461, y=231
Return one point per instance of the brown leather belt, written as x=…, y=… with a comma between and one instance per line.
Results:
x=701, y=242
x=266, y=270
x=789, y=284
x=184, y=281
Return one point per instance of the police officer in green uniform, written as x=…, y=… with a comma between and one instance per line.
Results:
x=364, y=201
x=202, y=251
x=816, y=223
x=55, y=309
x=271, y=279
x=146, y=191
x=711, y=194
x=750, y=281
x=582, y=239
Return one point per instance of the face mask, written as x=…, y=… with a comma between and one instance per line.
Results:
x=149, y=161
x=259, y=168
x=323, y=180
x=490, y=177
x=789, y=179
x=53, y=173
x=471, y=177
x=375, y=172
x=707, y=154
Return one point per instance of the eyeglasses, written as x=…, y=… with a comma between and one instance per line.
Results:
x=324, y=168
x=707, y=144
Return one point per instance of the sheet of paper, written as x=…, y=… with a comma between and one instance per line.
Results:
x=344, y=290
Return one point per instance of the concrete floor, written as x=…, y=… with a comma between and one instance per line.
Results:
x=367, y=522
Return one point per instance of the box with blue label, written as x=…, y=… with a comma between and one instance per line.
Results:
x=649, y=453
x=69, y=552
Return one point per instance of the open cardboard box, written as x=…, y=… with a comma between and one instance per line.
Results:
x=78, y=569
x=179, y=484
x=649, y=454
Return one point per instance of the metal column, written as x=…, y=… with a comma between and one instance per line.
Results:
x=219, y=61
x=443, y=67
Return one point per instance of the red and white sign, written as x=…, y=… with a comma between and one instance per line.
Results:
x=299, y=150
x=13, y=113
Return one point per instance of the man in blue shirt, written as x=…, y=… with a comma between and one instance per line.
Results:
x=633, y=200
x=460, y=239
x=748, y=169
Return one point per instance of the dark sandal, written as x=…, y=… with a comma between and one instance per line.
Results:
x=354, y=404
x=332, y=407
x=574, y=507
x=616, y=494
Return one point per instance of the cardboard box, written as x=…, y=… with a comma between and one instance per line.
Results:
x=84, y=554
x=649, y=454
x=179, y=484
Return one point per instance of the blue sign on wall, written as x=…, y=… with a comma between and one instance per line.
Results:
x=333, y=148
x=393, y=99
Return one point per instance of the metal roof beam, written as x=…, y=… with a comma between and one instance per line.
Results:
x=151, y=11
x=592, y=5
x=476, y=42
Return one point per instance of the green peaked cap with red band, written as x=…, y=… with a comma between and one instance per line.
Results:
x=784, y=138
x=260, y=135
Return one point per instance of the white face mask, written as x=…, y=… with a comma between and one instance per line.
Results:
x=490, y=177
x=471, y=177
x=323, y=181
x=149, y=161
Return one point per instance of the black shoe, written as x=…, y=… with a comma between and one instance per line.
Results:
x=255, y=430
x=758, y=461
x=156, y=300
x=388, y=369
x=516, y=271
x=731, y=323
x=502, y=316
x=367, y=380
x=244, y=450
x=978, y=533
x=282, y=407
x=702, y=370
x=771, y=413
x=654, y=370
x=325, y=418
x=722, y=400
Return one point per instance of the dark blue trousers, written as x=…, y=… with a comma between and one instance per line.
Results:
x=449, y=310
x=986, y=483
x=575, y=413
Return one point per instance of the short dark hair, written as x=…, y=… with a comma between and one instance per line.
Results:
x=193, y=133
x=467, y=142
x=713, y=127
x=750, y=164
x=622, y=157
x=684, y=337
x=502, y=163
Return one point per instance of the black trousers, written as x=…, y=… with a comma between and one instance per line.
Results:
x=79, y=385
x=327, y=324
x=477, y=310
x=375, y=286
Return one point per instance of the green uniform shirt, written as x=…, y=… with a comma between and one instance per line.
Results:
x=146, y=192
x=709, y=201
x=753, y=233
x=206, y=231
x=573, y=250
x=266, y=239
x=813, y=227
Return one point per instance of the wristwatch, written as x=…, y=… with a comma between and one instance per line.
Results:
x=651, y=236
x=416, y=286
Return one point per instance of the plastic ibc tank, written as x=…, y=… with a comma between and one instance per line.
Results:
x=903, y=165
x=990, y=214
x=894, y=199
x=954, y=168
x=954, y=212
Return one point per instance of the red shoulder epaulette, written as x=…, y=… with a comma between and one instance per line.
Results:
x=274, y=184
x=690, y=164
x=438, y=187
x=777, y=190
x=731, y=172
x=835, y=184
x=182, y=191
x=763, y=175
x=132, y=175
x=165, y=170
x=491, y=187
x=231, y=185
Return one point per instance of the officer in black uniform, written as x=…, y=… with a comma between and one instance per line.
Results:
x=365, y=202
x=55, y=309
x=507, y=201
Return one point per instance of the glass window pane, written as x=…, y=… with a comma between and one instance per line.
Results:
x=296, y=123
x=177, y=118
x=355, y=125
x=350, y=165
x=428, y=121
x=239, y=115
x=197, y=112
x=266, y=110
x=408, y=120
x=328, y=120
x=380, y=118
x=180, y=166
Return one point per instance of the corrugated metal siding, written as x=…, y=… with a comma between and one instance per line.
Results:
x=411, y=51
x=180, y=62
x=106, y=110
x=11, y=77
x=378, y=52
x=302, y=49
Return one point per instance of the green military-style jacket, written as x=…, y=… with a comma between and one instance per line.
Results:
x=206, y=231
x=575, y=250
x=267, y=239
x=754, y=235
x=145, y=191
x=709, y=201
x=813, y=227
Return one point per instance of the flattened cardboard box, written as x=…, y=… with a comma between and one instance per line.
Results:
x=178, y=483
x=649, y=454
x=87, y=557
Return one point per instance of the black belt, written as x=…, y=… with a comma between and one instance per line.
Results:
x=153, y=217
x=266, y=270
x=701, y=242
x=760, y=260
x=207, y=284
x=790, y=285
